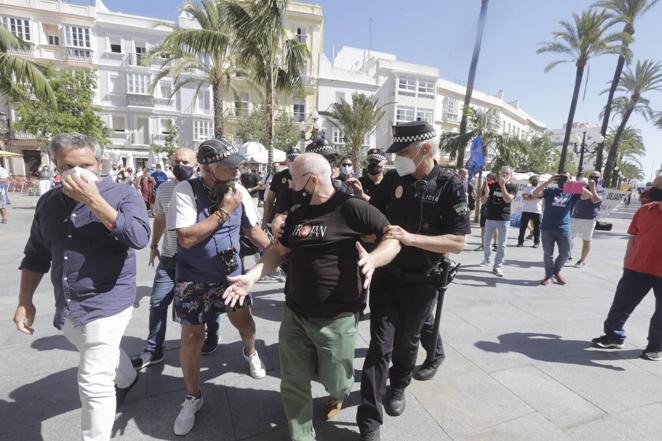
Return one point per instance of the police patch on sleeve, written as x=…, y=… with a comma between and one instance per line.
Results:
x=461, y=209
x=399, y=191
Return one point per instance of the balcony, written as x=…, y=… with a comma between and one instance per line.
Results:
x=133, y=99
x=21, y=52
x=451, y=117
x=119, y=138
x=78, y=55
x=139, y=138
x=166, y=102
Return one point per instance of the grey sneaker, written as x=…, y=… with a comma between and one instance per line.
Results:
x=186, y=418
x=497, y=272
x=648, y=354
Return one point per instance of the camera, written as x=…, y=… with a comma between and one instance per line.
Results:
x=229, y=259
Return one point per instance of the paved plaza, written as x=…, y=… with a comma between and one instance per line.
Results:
x=519, y=364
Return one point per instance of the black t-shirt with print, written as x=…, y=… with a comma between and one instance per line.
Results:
x=324, y=277
x=497, y=208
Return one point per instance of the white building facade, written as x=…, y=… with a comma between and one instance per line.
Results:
x=114, y=44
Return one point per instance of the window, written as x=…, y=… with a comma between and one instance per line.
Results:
x=337, y=136
x=202, y=130
x=78, y=36
x=119, y=123
x=138, y=83
x=166, y=125
x=140, y=54
x=115, y=86
x=165, y=88
x=424, y=115
x=426, y=87
x=407, y=86
x=20, y=27
x=241, y=104
x=54, y=40
x=203, y=101
x=301, y=35
x=340, y=96
x=451, y=105
x=299, y=110
x=404, y=114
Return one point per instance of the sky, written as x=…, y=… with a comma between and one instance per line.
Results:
x=441, y=33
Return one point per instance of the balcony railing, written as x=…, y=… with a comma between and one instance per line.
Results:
x=79, y=55
x=139, y=100
x=165, y=102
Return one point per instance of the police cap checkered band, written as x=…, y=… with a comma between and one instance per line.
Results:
x=376, y=154
x=407, y=133
x=414, y=138
x=293, y=154
x=322, y=147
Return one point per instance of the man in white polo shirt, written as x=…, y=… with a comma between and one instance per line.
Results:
x=531, y=212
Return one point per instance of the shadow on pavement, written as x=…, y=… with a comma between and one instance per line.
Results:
x=553, y=348
x=492, y=281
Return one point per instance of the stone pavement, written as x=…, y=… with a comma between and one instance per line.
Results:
x=519, y=365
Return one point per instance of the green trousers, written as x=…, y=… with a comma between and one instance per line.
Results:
x=314, y=349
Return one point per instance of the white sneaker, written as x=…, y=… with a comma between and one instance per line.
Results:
x=497, y=272
x=255, y=365
x=186, y=418
x=485, y=263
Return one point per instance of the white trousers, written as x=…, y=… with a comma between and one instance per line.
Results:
x=102, y=366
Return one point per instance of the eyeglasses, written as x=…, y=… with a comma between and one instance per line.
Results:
x=346, y=164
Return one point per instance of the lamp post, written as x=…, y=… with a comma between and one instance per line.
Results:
x=317, y=124
x=581, y=149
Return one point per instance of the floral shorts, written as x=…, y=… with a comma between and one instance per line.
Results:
x=195, y=300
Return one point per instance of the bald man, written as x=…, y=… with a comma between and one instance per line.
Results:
x=328, y=272
x=164, y=278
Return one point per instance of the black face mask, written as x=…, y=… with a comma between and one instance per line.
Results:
x=535, y=182
x=222, y=187
x=303, y=196
x=655, y=194
x=182, y=172
x=375, y=169
x=561, y=181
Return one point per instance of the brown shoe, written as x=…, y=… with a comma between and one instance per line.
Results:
x=331, y=408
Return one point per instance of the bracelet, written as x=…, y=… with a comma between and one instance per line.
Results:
x=225, y=213
x=221, y=218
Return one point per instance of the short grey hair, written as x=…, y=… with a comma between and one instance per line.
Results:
x=75, y=141
x=507, y=169
x=316, y=165
x=435, y=145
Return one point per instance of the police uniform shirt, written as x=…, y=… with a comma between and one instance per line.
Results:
x=368, y=185
x=324, y=278
x=438, y=207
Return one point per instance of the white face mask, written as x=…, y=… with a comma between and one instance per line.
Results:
x=290, y=167
x=346, y=170
x=405, y=166
x=88, y=175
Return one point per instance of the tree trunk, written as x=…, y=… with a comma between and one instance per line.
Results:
x=472, y=78
x=356, y=157
x=571, y=117
x=611, y=157
x=479, y=185
x=270, y=126
x=605, y=120
x=217, y=91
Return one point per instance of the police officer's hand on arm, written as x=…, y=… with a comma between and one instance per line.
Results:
x=240, y=286
x=445, y=243
x=382, y=255
x=191, y=236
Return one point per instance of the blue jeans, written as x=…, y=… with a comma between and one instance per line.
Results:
x=163, y=291
x=631, y=290
x=562, y=240
x=501, y=228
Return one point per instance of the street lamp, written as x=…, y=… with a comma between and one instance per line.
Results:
x=317, y=124
x=581, y=148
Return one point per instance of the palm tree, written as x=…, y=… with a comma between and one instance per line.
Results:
x=356, y=119
x=199, y=56
x=274, y=61
x=487, y=125
x=472, y=76
x=16, y=71
x=580, y=40
x=646, y=77
x=626, y=12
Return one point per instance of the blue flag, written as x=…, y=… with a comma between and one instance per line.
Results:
x=476, y=160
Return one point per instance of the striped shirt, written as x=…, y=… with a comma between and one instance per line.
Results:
x=163, y=198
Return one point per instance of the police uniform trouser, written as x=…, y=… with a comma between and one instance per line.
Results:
x=398, y=311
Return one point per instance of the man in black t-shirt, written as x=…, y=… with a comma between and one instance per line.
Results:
x=328, y=271
x=250, y=180
x=428, y=213
x=279, y=186
x=497, y=197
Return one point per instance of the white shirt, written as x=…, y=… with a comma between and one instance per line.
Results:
x=183, y=212
x=163, y=198
x=531, y=205
x=3, y=173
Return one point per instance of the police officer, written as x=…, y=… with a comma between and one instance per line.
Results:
x=428, y=213
x=280, y=185
x=373, y=177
